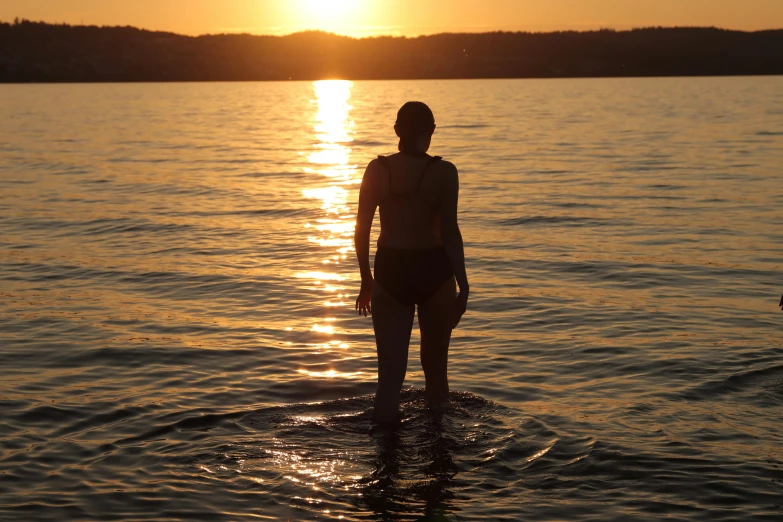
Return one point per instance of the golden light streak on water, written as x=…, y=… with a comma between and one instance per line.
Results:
x=330, y=159
x=320, y=276
x=334, y=374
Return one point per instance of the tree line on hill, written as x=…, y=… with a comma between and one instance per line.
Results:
x=42, y=52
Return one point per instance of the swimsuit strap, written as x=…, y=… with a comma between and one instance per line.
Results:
x=387, y=165
x=431, y=162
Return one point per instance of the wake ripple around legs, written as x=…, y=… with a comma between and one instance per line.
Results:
x=323, y=460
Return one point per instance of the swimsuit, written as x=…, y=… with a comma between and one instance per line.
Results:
x=411, y=276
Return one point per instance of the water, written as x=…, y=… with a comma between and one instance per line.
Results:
x=177, y=286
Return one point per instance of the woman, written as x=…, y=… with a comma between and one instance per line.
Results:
x=419, y=261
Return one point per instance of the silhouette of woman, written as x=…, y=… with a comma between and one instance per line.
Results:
x=419, y=261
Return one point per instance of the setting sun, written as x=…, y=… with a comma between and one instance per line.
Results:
x=337, y=16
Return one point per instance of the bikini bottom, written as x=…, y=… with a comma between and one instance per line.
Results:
x=412, y=276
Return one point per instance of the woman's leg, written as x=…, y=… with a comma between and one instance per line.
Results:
x=436, y=317
x=393, y=322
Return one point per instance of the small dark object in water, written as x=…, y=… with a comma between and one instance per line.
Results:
x=780, y=304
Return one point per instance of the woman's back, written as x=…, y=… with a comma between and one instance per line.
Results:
x=409, y=193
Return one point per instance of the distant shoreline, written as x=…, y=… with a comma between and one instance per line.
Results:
x=135, y=82
x=37, y=52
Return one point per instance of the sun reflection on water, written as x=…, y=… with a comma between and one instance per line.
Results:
x=330, y=160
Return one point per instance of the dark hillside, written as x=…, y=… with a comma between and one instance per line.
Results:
x=40, y=52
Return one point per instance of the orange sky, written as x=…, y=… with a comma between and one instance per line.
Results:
x=399, y=17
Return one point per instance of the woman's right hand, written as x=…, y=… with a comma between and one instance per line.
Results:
x=460, y=306
x=364, y=301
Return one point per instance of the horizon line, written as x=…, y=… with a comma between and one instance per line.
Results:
x=389, y=35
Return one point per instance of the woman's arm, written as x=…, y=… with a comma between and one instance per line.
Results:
x=368, y=204
x=452, y=239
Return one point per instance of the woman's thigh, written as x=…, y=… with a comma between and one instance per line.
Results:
x=436, y=317
x=392, y=322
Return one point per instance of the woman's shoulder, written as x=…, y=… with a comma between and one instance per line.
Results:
x=380, y=163
x=377, y=164
x=445, y=168
x=446, y=164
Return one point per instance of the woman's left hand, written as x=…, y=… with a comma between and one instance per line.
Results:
x=364, y=301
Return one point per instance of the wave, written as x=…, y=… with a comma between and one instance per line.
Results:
x=573, y=221
x=762, y=386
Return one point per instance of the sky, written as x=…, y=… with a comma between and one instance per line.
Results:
x=398, y=17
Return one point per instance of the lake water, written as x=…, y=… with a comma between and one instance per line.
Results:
x=177, y=277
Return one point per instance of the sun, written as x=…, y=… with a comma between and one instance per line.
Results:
x=336, y=16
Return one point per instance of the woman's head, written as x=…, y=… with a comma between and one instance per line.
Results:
x=415, y=126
